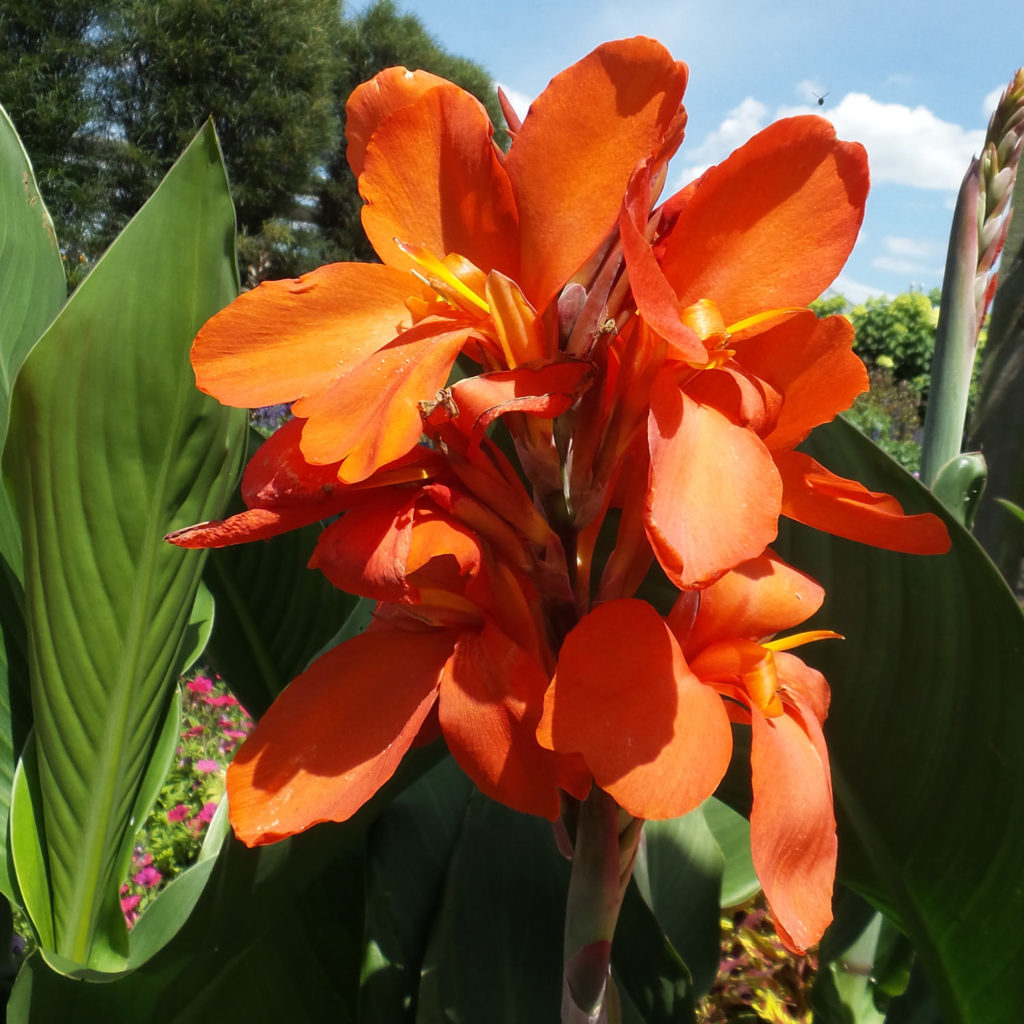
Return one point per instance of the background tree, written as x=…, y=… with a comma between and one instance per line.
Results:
x=48, y=64
x=107, y=94
x=263, y=69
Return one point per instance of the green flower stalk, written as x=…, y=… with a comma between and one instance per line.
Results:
x=980, y=222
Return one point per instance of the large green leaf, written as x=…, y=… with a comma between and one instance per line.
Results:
x=32, y=290
x=679, y=872
x=271, y=923
x=110, y=447
x=409, y=849
x=924, y=737
x=495, y=952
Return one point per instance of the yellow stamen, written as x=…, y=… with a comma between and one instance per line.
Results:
x=786, y=643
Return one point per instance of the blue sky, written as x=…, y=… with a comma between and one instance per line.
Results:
x=913, y=81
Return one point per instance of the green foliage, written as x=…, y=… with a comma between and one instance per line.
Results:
x=109, y=448
x=262, y=69
x=889, y=414
x=898, y=334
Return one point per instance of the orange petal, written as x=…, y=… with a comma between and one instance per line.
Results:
x=816, y=497
x=714, y=493
x=792, y=827
x=579, y=144
x=371, y=416
x=654, y=736
x=745, y=664
x=757, y=599
x=773, y=224
x=371, y=102
x=546, y=390
x=336, y=734
x=655, y=298
x=253, y=524
x=366, y=551
x=491, y=697
x=432, y=178
x=811, y=362
x=286, y=339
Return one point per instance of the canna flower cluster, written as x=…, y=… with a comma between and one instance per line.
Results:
x=554, y=389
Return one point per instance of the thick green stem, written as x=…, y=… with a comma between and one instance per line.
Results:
x=956, y=337
x=603, y=857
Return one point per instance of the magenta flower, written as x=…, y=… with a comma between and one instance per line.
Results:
x=222, y=700
x=147, y=877
x=201, y=684
x=205, y=764
x=129, y=903
x=196, y=730
x=208, y=811
x=179, y=812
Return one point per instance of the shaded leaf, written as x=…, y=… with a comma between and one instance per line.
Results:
x=495, y=953
x=923, y=736
x=680, y=876
x=409, y=850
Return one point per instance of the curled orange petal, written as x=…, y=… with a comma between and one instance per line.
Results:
x=714, y=494
x=491, y=697
x=571, y=160
x=431, y=177
x=792, y=826
x=816, y=497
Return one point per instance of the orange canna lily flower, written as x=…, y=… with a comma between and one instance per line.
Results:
x=476, y=246
x=651, y=721
x=643, y=376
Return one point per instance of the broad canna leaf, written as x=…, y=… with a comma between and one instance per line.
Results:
x=32, y=290
x=679, y=873
x=924, y=737
x=495, y=949
x=408, y=853
x=297, y=905
x=110, y=447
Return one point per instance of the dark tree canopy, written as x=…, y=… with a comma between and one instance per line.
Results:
x=262, y=69
x=107, y=93
x=48, y=64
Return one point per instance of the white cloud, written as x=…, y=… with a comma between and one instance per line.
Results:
x=908, y=256
x=855, y=291
x=988, y=104
x=906, y=146
x=739, y=125
x=520, y=100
